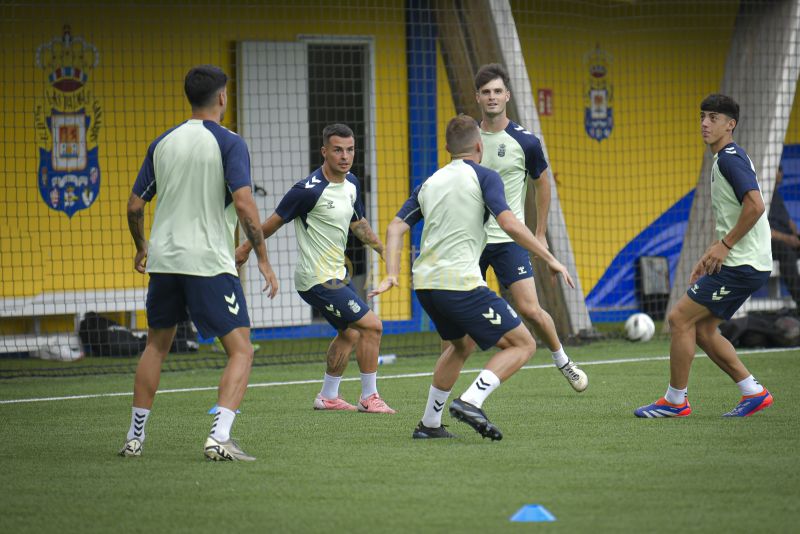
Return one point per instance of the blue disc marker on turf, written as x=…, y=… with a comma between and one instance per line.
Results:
x=213, y=410
x=533, y=513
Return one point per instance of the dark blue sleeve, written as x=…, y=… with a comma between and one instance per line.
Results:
x=737, y=170
x=145, y=184
x=298, y=201
x=411, y=212
x=535, y=163
x=494, y=194
x=235, y=156
x=358, y=208
x=534, y=159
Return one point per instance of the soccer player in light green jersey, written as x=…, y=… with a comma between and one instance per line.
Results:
x=517, y=155
x=731, y=269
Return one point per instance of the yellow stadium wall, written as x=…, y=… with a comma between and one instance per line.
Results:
x=145, y=51
x=611, y=190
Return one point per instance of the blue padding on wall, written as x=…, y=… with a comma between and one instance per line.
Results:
x=423, y=147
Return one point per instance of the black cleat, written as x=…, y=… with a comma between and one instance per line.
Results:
x=474, y=417
x=424, y=432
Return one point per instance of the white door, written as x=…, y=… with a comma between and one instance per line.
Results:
x=273, y=119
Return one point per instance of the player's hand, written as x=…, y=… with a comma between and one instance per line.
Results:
x=242, y=253
x=697, y=272
x=386, y=284
x=557, y=268
x=793, y=241
x=713, y=258
x=271, y=287
x=140, y=261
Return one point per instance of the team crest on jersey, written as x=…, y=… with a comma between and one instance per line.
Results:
x=354, y=306
x=329, y=204
x=501, y=150
x=599, y=116
x=67, y=122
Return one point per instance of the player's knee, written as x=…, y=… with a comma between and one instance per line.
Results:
x=677, y=321
x=349, y=336
x=372, y=326
x=526, y=345
x=533, y=313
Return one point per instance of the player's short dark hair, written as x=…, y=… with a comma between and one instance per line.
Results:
x=339, y=130
x=462, y=134
x=490, y=72
x=202, y=84
x=721, y=104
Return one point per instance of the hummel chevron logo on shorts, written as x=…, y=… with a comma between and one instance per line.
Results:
x=494, y=317
x=233, y=306
x=661, y=408
x=718, y=295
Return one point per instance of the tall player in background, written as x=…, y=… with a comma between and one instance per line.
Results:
x=516, y=154
x=730, y=270
x=324, y=206
x=455, y=203
x=201, y=174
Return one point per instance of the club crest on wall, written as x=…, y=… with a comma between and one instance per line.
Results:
x=599, y=116
x=67, y=123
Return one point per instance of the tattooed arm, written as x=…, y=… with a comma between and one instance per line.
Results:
x=362, y=230
x=247, y=211
x=136, y=226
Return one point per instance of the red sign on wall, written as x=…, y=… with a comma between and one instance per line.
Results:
x=545, y=102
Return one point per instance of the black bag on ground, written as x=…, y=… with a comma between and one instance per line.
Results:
x=101, y=336
x=763, y=329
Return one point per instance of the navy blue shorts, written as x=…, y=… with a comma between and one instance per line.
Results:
x=511, y=262
x=478, y=312
x=337, y=301
x=216, y=303
x=724, y=292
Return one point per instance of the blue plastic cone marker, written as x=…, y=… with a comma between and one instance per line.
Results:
x=213, y=410
x=533, y=512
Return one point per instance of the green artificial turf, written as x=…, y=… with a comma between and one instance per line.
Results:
x=582, y=456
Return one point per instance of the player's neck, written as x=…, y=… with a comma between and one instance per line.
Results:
x=721, y=143
x=494, y=124
x=471, y=156
x=206, y=115
x=333, y=176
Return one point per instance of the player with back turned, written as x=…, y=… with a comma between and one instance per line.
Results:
x=200, y=172
x=455, y=202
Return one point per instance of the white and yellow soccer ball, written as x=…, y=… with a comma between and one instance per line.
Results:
x=639, y=327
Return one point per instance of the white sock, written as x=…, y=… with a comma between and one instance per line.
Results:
x=434, y=408
x=560, y=357
x=138, y=419
x=330, y=386
x=750, y=386
x=486, y=382
x=369, y=384
x=675, y=396
x=221, y=427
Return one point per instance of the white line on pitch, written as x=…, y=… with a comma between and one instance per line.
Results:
x=352, y=379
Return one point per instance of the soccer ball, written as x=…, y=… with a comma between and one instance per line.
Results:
x=640, y=327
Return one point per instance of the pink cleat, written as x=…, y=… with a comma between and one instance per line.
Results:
x=374, y=404
x=321, y=403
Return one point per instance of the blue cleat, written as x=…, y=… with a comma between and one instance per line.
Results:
x=751, y=404
x=662, y=408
